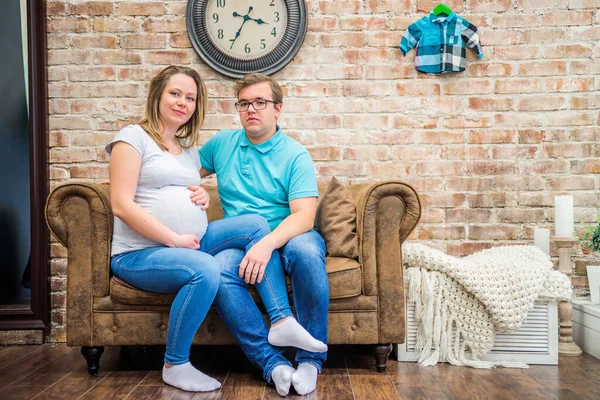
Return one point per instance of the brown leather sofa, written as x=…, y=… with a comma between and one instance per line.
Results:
x=366, y=305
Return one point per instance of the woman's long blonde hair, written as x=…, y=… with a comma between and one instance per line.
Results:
x=188, y=133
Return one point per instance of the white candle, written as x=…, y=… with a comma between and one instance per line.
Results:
x=563, y=214
x=541, y=239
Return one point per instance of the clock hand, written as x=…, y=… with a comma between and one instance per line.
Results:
x=246, y=17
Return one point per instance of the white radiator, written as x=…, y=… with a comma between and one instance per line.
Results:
x=536, y=342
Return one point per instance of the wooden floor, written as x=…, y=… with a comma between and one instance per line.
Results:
x=58, y=372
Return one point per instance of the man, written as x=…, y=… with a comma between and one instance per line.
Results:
x=260, y=170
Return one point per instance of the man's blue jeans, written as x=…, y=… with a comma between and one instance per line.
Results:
x=194, y=275
x=304, y=261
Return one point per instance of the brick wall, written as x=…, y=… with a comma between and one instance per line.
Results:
x=487, y=149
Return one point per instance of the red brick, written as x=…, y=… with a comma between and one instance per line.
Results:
x=141, y=8
x=85, y=73
x=543, y=68
x=179, y=40
x=363, y=23
x=58, y=139
x=343, y=169
x=569, y=85
x=540, y=5
x=491, y=104
x=542, y=103
x=584, y=32
x=439, y=137
x=381, y=6
x=536, y=199
x=57, y=41
x=114, y=25
x=55, y=8
x=83, y=106
x=68, y=25
x=58, y=106
x=443, y=200
x=511, y=120
x=560, y=183
x=343, y=39
x=59, y=174
x=489, y=7
x=389, y=138
x=514, y=152
x=470, y=184
x=519, y=182
x=143, y=41
x=340, y=7
x=569, y=51
x=383, y=39
x=400, y=23
x=89, y=172
x=492, y=200
x=431, y=216
x=470, y=121
x=390, y=171
x=439, y=168
x=68, y=90
x=365, y=121
x=517, y=52
x=585, y=67
x=469, y=215
x=322, y=24
x=428, y=232
x=515, y=20
x=492, y=136
x=519, y=86
x=154, y=25
x=71, y=155
x=493, y=232
x=405, y=121
x=571, y=118
x=167, y=57
x=418, y=88
x=414, y=152
x=544, y=167
x=490, y=167
x=544, y=35
x=468, y=87
x=589, y=101
x=530, y=136
x=467, y=248
x=111, y=57
x=562, y=18
x=366, y=153
x=489, y=69
x=92, y=8
x=516, y=215
x=585, y=167
x=462, y=152
x=91, y=139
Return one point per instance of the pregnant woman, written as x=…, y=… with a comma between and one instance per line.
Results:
x=162, y=241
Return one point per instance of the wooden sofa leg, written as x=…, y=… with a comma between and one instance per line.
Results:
x=382, y=351
x=92, y=356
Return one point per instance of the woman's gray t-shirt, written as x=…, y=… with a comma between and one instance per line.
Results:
x=161, y=190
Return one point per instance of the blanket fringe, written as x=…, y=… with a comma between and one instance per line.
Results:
x=436, y=337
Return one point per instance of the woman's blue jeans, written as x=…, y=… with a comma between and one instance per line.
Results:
x=194, y=275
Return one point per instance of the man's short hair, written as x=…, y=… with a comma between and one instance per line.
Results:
x=254, y=78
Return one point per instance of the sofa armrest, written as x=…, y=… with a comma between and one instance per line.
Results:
x=386, y=214
x=80, y=217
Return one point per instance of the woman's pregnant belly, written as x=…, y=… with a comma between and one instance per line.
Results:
x=174, y=208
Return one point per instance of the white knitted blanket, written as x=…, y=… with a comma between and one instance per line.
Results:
x=460, y=303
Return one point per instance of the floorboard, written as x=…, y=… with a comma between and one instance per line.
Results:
x=58, y=372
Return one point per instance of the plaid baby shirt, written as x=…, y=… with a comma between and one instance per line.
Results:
x=441, y=43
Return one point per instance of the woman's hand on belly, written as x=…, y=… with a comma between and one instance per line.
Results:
x=187, y=241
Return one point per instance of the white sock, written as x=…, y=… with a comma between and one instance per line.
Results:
x=291, y=333
x=282, y=379
x=305, y=378
x=186, y=377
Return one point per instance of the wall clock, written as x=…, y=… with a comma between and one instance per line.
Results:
x=236, y=37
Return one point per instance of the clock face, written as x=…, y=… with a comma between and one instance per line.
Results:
x=236, y=37
x=246, y=29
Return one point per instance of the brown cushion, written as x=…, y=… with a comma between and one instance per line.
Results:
x=336, y=221
x=344, y=277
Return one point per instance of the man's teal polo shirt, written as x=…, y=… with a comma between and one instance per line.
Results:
x=259, y=179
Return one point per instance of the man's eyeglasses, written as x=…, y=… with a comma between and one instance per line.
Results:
x=257, y=104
